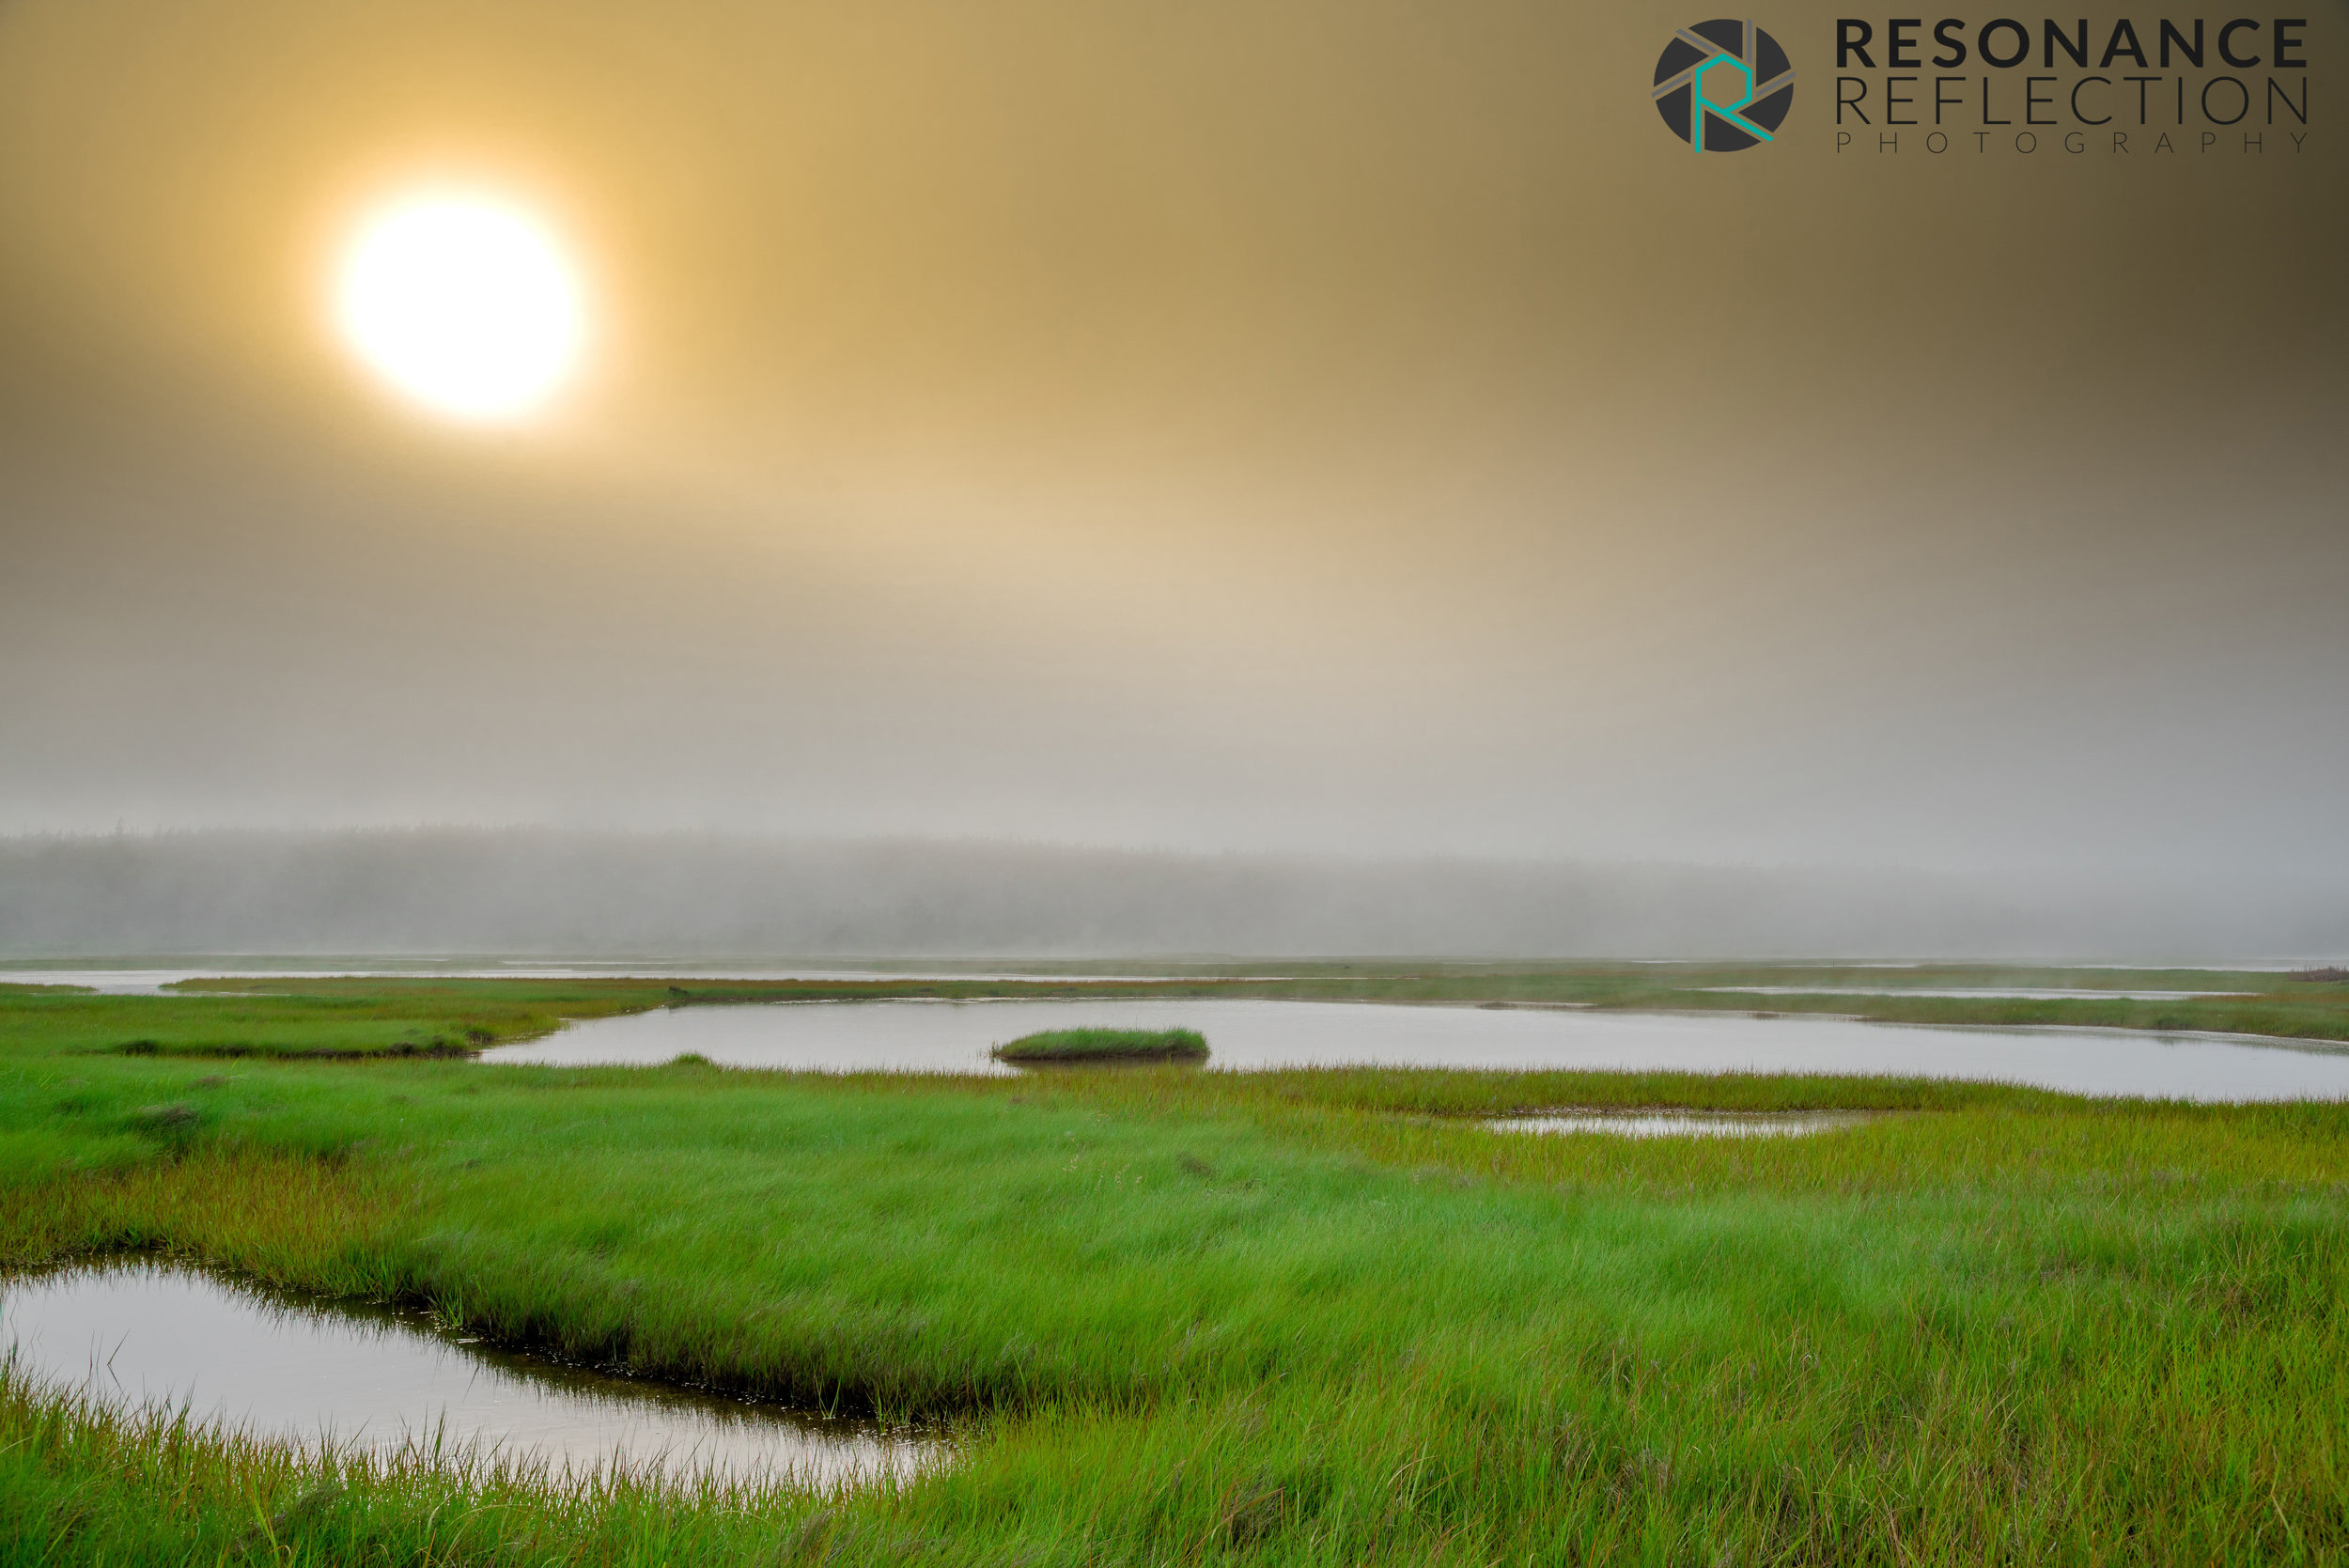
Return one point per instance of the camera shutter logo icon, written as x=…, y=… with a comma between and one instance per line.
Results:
x=1724, y=86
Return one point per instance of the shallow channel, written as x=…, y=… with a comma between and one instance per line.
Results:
x=1968, y=993
x=1683, y=1124
x=119, y=980
x=954, y=1037
x=141, y=1334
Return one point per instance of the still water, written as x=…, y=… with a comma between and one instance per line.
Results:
x=1974, y=993
x=954, y=1037
x=141, y=1334
x=117, y=980
x=1683, y=1124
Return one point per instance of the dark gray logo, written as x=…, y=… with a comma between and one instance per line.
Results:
x=1724, y=86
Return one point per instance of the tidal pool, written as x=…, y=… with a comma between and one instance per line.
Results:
x=1683, y=1124
x=954, y=1037
x=1973, y=993
x=140, y=1334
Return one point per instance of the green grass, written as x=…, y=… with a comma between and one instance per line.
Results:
x=1306, y=1317
x=80, y=1482
x=1066, y=1046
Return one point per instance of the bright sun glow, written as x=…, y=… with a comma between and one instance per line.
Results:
x=465, y=304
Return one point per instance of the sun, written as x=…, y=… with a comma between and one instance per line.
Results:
x=465, y=304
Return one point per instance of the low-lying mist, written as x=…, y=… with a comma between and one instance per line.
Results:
x=538, y=893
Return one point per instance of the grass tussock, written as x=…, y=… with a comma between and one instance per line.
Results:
x=1072, y=1047
x=315, y=1222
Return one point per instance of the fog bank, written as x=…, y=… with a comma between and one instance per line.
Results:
x=548, y=893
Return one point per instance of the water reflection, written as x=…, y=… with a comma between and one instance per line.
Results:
x=1968, y=993
x=121, y=980
x=141, y=1334
x=1683, y=1124
x=954, y=1037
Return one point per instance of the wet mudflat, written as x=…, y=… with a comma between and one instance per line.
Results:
x=141, y=1334
x=956, y=1036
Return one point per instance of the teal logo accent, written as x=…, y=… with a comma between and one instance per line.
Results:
x=1724, y=86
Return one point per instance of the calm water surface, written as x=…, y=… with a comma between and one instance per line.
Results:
x=111, y=981
x=954, y=1037
x=140, y=1334
x=1683, y=1124
x=1982, y=993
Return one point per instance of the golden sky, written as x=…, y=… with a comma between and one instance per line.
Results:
x=1332, y=425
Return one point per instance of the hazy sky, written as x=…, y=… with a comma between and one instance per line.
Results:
x=1329, y=426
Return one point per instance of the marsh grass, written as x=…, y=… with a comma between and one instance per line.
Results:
x=1071, y=1046
x=1296, y=1317
x=315, y=1221
x=83, y=1482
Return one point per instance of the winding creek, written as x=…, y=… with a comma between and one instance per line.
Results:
x=954, y=1037
x=141, y=1334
